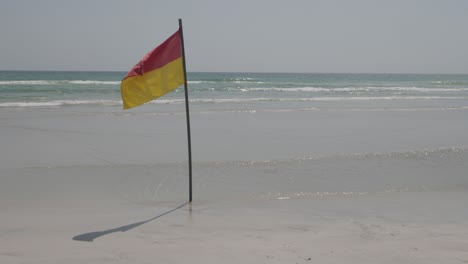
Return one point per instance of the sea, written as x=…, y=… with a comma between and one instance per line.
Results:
x=287, y=167
x=227, y=91
x=255, y=136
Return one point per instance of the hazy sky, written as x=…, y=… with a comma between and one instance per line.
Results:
x=390, y=36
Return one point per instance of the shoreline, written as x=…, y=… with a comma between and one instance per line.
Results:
x=282, y=187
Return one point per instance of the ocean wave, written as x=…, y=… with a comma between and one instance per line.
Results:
x=354, y=89
x=369, y=98
x=297, y=89
x=94, y=82
x=58, y=82
x=418, y=154
x=229, y=81
x=313, y=99
x=414, y=154
x=57, y=103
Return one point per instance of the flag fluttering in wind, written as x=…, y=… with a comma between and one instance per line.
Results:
x=159, y=72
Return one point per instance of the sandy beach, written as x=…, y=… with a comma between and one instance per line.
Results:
x=318, y=186
x=324, y=132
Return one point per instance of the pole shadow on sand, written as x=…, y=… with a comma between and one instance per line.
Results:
x=89, y=237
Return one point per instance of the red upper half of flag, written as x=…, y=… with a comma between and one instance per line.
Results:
x=168, y=51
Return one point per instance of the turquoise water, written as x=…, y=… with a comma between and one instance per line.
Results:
x=243, y=91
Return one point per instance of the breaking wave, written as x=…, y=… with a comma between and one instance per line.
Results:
x=357, y=89
x=58, y=82
x=57, y=103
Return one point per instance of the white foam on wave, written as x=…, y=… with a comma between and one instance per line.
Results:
x=59, y=103
x=94, y=82
x=302, y=99
x=248, y=82
x=228, y=81
x=312, y=99
x=416, y=89
x=29, y=82
x=414, y=154
x=58, y=82
x=369, y=98
x=297, y=89
x=357, y=89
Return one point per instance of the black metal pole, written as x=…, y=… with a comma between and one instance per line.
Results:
x=187, y=111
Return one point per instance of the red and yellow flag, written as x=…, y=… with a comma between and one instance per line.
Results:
x=159, y=72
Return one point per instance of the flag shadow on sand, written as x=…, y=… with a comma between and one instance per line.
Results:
x=89, y=237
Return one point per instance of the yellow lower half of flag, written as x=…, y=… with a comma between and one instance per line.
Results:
x=140, y=89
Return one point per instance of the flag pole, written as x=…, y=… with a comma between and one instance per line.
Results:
x=187, y=111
